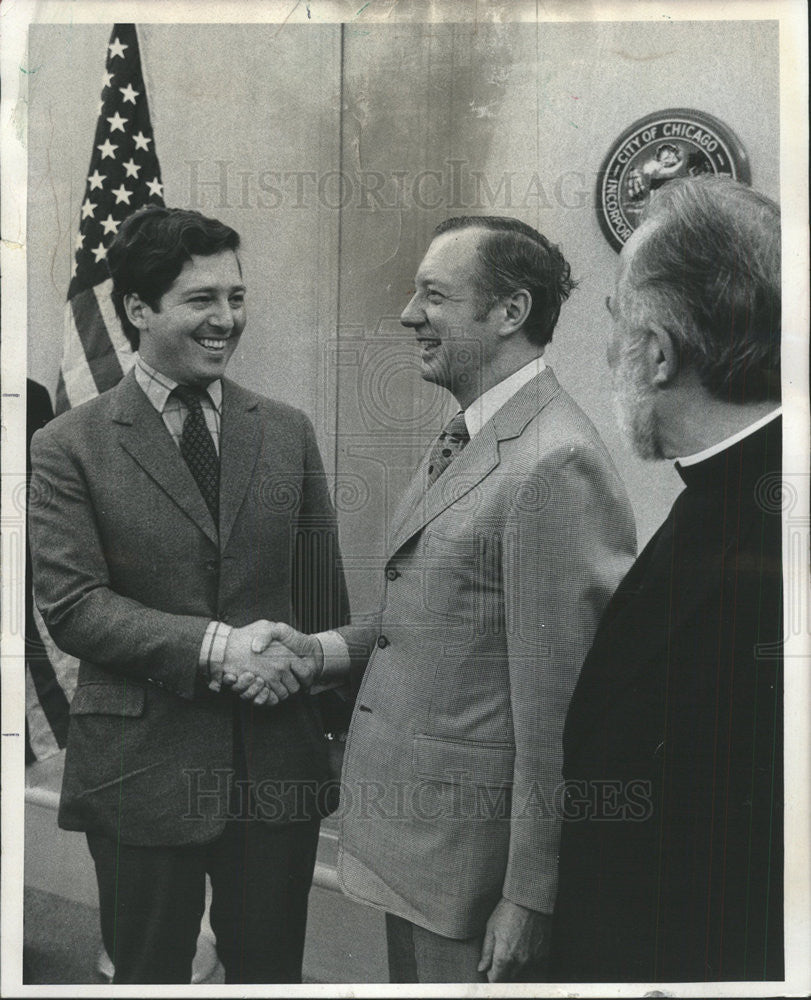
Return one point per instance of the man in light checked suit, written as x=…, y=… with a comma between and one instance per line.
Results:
x=502, y=554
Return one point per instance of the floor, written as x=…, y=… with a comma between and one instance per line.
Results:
x=61, y=940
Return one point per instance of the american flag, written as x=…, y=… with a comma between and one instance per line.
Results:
x=124, y=175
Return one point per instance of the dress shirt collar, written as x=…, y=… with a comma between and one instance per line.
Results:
x=491, y=401
x=158, y=387
x=715, y=449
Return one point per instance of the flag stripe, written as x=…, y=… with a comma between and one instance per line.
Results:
x=98, y=349
x=118, y=339
x=77, y=379
x=62, y=402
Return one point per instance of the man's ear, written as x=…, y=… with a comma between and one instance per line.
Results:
x=663, y=358
x=516, y=308
x=136, y=310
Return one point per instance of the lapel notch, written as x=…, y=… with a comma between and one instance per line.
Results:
x=420, y=506
x=143, y=435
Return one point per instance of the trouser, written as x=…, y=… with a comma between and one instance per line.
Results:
x=417, y=955
x=152, y=900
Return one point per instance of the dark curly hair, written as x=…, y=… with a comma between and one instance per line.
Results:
x=150, y=250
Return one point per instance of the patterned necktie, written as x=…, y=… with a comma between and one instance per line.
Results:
x=448, y=445
x=197, y=448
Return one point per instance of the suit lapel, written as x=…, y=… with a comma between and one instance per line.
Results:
x=420, y=506
x=143, y=435
x=241, y=438
x=407, y=504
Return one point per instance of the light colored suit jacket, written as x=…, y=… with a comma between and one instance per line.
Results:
x=129, y=569
x=494, y=582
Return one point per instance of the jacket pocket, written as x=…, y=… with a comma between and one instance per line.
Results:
x=124, y=699
x=463, y=761
x=450, y=573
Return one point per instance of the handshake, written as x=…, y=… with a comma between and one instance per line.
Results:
x=265, y=662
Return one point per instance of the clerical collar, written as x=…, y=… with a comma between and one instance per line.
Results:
x=715, y=449
x=742, y=454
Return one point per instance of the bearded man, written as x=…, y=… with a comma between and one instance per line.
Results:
x=671, y=863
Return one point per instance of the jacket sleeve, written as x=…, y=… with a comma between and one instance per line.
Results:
x=84, y=615
x=568, y=541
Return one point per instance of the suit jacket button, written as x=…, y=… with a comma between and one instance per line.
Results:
x=211, y=565
x=392, y=574
x=382, y=642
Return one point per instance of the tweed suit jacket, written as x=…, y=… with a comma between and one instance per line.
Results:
x=672, y=850
x=129, y=569
x=494, y=580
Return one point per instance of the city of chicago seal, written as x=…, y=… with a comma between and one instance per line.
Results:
x=677, y=142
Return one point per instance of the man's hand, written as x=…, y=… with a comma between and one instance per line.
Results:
x=238, y=653
x=274, y=669
x=307, y=656
x=514, y=938
x=257, y=668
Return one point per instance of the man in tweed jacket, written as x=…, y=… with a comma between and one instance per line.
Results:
x=496, y=573
x=158, y=581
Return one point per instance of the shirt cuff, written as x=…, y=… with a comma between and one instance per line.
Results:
x=336, y=658
x=212, y=651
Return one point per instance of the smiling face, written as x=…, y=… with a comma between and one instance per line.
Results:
x=195, y=328
x=456, y=332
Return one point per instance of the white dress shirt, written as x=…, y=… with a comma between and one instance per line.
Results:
x=491, y=401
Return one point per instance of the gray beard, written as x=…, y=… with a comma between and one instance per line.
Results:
x=634, y=410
